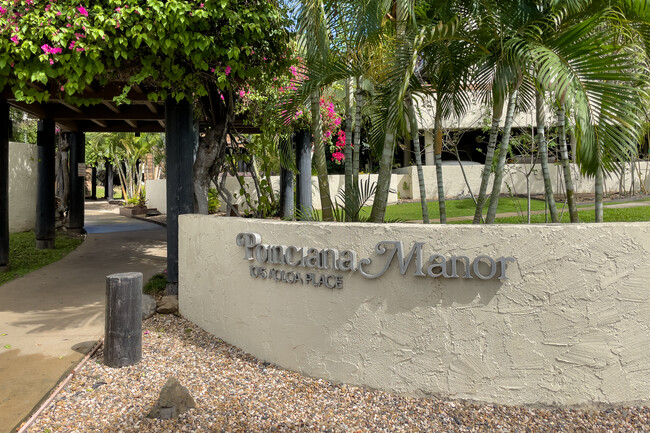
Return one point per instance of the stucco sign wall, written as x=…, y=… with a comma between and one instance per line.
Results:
x=510, y=314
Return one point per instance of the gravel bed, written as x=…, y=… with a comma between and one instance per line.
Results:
x=236, y=392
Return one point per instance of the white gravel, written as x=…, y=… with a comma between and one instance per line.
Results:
x=235, y=392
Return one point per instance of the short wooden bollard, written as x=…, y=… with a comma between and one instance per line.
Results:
x=123, y=330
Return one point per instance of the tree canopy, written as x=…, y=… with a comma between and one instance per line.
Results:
x=56, y=48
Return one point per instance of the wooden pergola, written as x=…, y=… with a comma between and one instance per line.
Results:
x=173, y=118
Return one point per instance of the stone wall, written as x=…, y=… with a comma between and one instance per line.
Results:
x=567, y=327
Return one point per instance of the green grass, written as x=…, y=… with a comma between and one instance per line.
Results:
x=25, y=258
x=413, y=211
x=630, y=214
x=156, y=284
x=117, y=192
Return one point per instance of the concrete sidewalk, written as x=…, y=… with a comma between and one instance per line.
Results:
x=50, y=318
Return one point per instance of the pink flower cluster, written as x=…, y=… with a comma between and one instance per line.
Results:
x=338, y=156
x=51, y=50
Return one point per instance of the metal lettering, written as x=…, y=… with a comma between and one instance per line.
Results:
x=493, y=267
x=503, y=262
x=248, y=241
x=397, y=249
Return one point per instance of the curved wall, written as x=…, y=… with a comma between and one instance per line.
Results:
x=568, y=327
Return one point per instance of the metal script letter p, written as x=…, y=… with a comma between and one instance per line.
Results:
x=249, y=241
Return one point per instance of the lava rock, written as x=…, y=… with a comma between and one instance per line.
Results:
x=148, y=306
x=173, y=401
x=168, y=304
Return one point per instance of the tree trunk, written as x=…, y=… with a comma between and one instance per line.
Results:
x=501, y=163
x=210, y=154
x=349, y=182
x=357, y=135
x=599, y=195
x=543, y=153
x=568, y=180
x=415, y=136
x=487, y=168
x=437, y=158
x=319, y=158
x=383, y=179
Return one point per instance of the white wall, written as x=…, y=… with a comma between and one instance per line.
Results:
x=22, y=186
x=404, y=183
x=569, y=325
x=156, y=191
x=515, y=179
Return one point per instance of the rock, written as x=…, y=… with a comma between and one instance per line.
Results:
x=148, y=306
x=173, y=401
x=168, y=304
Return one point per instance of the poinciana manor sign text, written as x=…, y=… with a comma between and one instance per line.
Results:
x=323, y=259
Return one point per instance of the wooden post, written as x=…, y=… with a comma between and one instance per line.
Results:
x=5, y=126
x=108, y=186
x=77, y=181
x=93, y=183
x=303, y=178
x=286, y=193
x=45, y=197
x=179, y=140
x=123, y=321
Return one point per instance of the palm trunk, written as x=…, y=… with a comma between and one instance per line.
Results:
x=501, y=163
x=357, y=135
x=599, y=195
x=349, y=184
x=415, y=136
x=568, y=180
x=383, y=179
x=487, y=168
x=120, y=174
x=437, y=157
x=319, y=157
x=543, y=152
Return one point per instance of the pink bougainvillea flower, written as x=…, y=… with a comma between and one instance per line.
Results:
x=81, y=49
x=222, y=98
x=82, y=10
x=228, y=69
x=242, y=93
x=62, y=88
x=15, y=39
x=2, y=10
x=118, y=9
x=51, y=62
x=201, y=5
x=212, y=70
x=71, y=46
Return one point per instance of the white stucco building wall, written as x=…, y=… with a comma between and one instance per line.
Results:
x=156, y=194
x=568, y=327
x=22, y=186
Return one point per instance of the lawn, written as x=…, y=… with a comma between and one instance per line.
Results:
x=412, y=211
x=117, y=192
x=457, y=208
x=25, y=258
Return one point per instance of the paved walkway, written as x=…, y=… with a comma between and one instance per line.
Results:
x=50, y=318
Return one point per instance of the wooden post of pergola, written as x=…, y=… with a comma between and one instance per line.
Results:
x=45, y=195
x=77, y=141
x=179, y=140
x=5, y=125
x=108, y=185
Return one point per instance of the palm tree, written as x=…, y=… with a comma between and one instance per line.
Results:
x=394, y=80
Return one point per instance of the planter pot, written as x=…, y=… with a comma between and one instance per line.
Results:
x=130, y=211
